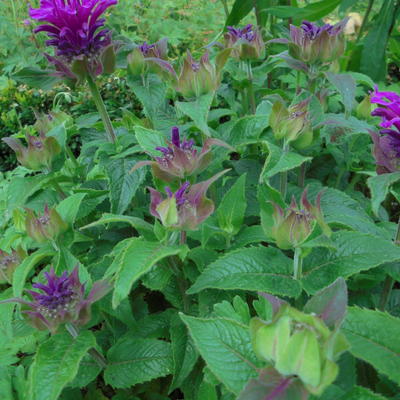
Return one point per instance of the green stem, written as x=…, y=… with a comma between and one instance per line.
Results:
x=297, y=264
x=284, y=176
x=226, y=9
x=74, y=332
x=250, y=89
x=182, y=284
x=101, y=108
x=302, y=174
x=365, y=19
x=58, y=189
x=71, y=156
x=183, y=237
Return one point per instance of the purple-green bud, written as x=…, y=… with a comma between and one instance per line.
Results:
x=295, y=224
x=185, y=209
x=299, y=344
x=246, y=43
x=180, y=159
x=62, y=300
x=46, y=226
x=292, y=124
x=9, y=262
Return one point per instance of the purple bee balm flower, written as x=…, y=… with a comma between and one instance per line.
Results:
x=179, y=159
x=61, y=300
x=185, y=209
x=247, y=42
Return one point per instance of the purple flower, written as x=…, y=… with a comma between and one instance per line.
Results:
x=179, y=159
x=247, y=42
x=185, y=209
x=387, y=144
x=60, y=300
x=77, y=33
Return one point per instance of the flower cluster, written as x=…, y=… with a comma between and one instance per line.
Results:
x=247, y=43
x=77, y=33
x=61, y=300
x=9, y=262
x=387, y=142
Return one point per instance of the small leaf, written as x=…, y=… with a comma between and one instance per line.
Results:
x=56, y=363
x=346, y=87
x=361, y=393
x=37, y=78
x=134, y=360
x=246, y=130
x=69, y=207
x=149, y=139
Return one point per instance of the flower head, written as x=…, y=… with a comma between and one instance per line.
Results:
x=9, y=262
x=46, y=226
x=185, y=209
x=387, y=143
x=295, y=224
x=76, y=31
x=60, y=300
x=180, y=159
x=247, y=42
x=312, y=43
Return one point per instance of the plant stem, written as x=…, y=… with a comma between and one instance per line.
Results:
x=250, y=89
x=297, y=264
x=58, y=189
x=389, y=281
x=365, y=19
x=182, y=284
x=183, y=237
x=302, y=174
x=284, y=176
x=226, y=9
x=73, y=330
x=101, y=108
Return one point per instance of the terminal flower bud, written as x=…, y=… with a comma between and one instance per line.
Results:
x=199, y=78
x=61, y=300
x=185, y=209
x=179, y=159
x=46, y=226
x=39, y=153
x=292, y=124
x=295, y=224
x=9, y=262
x=151, y=58
x=247, y=43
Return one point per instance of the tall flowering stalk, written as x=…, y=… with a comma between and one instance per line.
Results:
x=83, y=47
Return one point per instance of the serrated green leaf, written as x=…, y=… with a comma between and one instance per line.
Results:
x=346, y=86
x=226, y=348
x=373, y=336
x=355, y=252
x=134, y=259
x=379, y=186
x=56, y=364
x=246, y=130
x=264, y=269
x=135, y=360
x=232, y=208
x=361, y=393
x=149, y=139
x=69, y=207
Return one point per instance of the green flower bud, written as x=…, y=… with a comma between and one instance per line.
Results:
x=44, y=227
x=9, y=262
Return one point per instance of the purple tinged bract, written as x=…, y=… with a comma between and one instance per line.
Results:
x=61, y=300
x=246, y=42
x=9, y=262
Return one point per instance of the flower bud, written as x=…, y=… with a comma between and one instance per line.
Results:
x=247, y=43
x=180, y=159
x=294, y=225
x=9, y=262
x=40, y=152
x=62, y=299
x=185, y=209
x=44, y=227
x=292, y=124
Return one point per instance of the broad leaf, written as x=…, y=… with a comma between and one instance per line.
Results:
x=246, y=130
x=346, y=86
x=37, y=78
x=373, y=336
x=149, y=139
x=69, y=207
x=56, y=363
x=226, y=348
x=134, y=360
x=361, y=393
x=264, y=269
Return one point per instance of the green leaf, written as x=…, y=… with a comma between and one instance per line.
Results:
x=361, y=393
x=264, y=269
x=226, y=348
x=134, y=360
x=239, y=10
x=232, y=208
x=23, y=270
x=123, y=184
x=373, y=337
x=379, y=186
x=197, y=111
x=280, y=161
x=136, y=257
x=246, y=130
x=69, y=207
x=149, y=139
x=376, y=41
x=356, y=252
x=346, y=86
x=184, y=354
x=56, y=364
x=37, y=78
